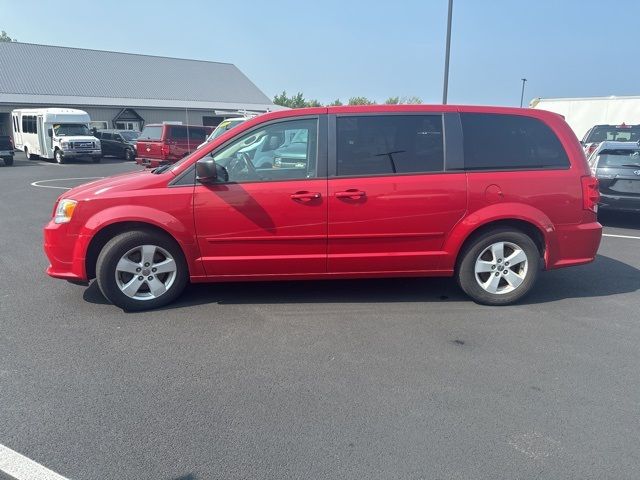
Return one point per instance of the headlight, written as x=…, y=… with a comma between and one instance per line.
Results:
x=65, y=145
x=64, y=210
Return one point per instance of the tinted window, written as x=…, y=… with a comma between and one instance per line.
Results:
x=107, y=136
x=280, y=151
x=388, y=144
x=601, y=133
x=196, y=135
x=493, y=141
x=619, y=158
x=151, y=133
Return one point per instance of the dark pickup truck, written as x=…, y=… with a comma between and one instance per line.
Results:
x=6, y=150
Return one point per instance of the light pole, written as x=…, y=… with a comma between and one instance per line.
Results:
x=524, y=80
x=446, y=57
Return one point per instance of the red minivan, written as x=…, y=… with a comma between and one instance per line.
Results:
x=489, y=195
x=159, y=144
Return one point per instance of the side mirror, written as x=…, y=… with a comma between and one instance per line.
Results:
x=50, y=132
x=206, y=170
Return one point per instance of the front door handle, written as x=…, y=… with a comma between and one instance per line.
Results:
x=306, y=196
x=352, y=193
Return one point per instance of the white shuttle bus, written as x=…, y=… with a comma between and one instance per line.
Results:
x=54, y=133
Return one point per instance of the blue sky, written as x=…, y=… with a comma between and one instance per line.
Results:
x=338, y=49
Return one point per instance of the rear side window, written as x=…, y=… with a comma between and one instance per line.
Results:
x=499, y=142
x=151, y=133
x=389, y=144
x=184, y=133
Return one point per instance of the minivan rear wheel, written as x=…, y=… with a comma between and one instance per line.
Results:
x=140, y=270
x=499, y=267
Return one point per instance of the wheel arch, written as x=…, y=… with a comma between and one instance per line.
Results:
x=106, y=233
x=528, y=220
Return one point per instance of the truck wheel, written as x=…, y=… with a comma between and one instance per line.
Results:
x=96, y=159
x=8, y=161
x=128, y=154
x=499, y=267
x=59, y=156
x=28, y=155
x=140, y=270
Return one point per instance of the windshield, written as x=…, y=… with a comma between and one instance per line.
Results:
x=603, y=133
x=129, y=135
x=224, y=127
x=619, y=158
x=71, y=129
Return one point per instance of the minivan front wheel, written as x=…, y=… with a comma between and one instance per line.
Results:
x=499, y=267
x=141, y=270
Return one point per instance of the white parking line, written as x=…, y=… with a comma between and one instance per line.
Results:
x=22, y=468
x=620, y=236
x=37, y=184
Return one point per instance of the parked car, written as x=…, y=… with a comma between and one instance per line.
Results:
x=604, y=133
x=118, y=143
x=160, y=144
x=6, y=150
x=617, y=167
x=489, y=195
x=223, y=127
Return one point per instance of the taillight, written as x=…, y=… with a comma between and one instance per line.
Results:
x=164, y=150
x=590, y=193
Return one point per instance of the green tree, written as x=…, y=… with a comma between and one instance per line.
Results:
x=360, y=101
x=392, y=101
x=336, y=103
x=294, y=101
x=6, y=38
x=413, y=100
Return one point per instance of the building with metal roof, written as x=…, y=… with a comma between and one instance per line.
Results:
x=123, y=90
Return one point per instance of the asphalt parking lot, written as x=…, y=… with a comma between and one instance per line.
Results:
x=346, y=379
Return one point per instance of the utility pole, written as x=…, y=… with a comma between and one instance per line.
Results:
x=524, y=80
x=446, y=57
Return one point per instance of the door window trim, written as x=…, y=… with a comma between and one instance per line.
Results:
x=321, y=151
x=452, y=143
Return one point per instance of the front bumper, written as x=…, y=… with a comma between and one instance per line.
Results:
x=620, y=202
x=66, y=252
x=81, y=154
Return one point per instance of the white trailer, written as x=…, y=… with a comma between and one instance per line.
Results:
x=58, y=133
x=583, y=113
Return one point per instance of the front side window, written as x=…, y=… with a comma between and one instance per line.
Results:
x=279, y=151
x=497, y=142
x=389, y=144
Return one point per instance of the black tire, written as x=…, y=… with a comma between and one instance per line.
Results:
x=114, y=251
x=8, y=161
x=128, y=154
x=58, y=156
x=96, y=159
x=28, y=155
x=466, y=271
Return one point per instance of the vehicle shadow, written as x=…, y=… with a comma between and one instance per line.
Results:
x=604, y=277
x=614, y=219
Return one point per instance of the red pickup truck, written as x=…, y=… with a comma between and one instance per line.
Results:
x=159, y=144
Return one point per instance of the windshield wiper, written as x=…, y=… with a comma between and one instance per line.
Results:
x=160, y=169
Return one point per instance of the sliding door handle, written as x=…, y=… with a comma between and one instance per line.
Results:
x=352, y=193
